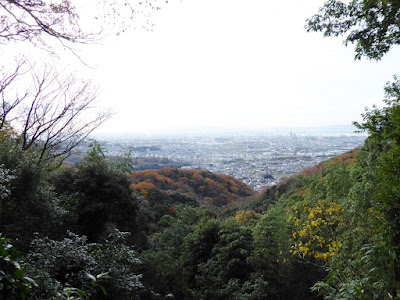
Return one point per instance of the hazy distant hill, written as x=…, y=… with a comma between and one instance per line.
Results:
x=194, y=131
x=202, y=185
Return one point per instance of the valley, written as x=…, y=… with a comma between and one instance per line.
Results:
x=258, y=161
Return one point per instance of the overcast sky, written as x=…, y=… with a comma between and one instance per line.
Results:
x=231, y=63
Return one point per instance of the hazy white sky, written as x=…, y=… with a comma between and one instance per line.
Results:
x=231, y=63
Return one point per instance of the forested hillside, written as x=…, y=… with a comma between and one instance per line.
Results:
x=202, y=185
x=330, y=232
x=96, y=231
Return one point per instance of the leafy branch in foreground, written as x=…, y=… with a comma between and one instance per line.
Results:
x=13, y=282
x=373, y=26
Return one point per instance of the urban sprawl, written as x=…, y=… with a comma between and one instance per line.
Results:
x=258, y=161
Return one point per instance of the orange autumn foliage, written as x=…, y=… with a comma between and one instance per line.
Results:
x=216, y=189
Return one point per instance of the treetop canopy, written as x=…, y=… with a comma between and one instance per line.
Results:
x=372, y=25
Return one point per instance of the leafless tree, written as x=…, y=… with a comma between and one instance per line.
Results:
x=29, y=19
x=8, y=105
x=53, y=115
x=33, y=20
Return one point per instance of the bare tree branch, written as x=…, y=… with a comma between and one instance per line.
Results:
x=26, y=20
x=8, y=105
x=34, y=20
x=54, y=115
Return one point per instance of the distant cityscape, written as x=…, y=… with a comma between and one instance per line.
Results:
x=258, y=161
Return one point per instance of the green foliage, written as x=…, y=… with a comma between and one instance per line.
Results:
x=372, y=25
x=5, y=181
x=272, y=240
x=347, y=212
x=334, y=229
x=58, y=266
x=271, y=195
x=340, y=205
x=162, y=263
x=383, y=124
x=272, y=261
x=27, y=202
x=162, y=203
x=98, y=197
x=71, y=293
x=13, y=282
x=95, y=155
x=216, y=257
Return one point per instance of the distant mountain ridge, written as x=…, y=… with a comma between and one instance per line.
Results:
x=347, y=129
